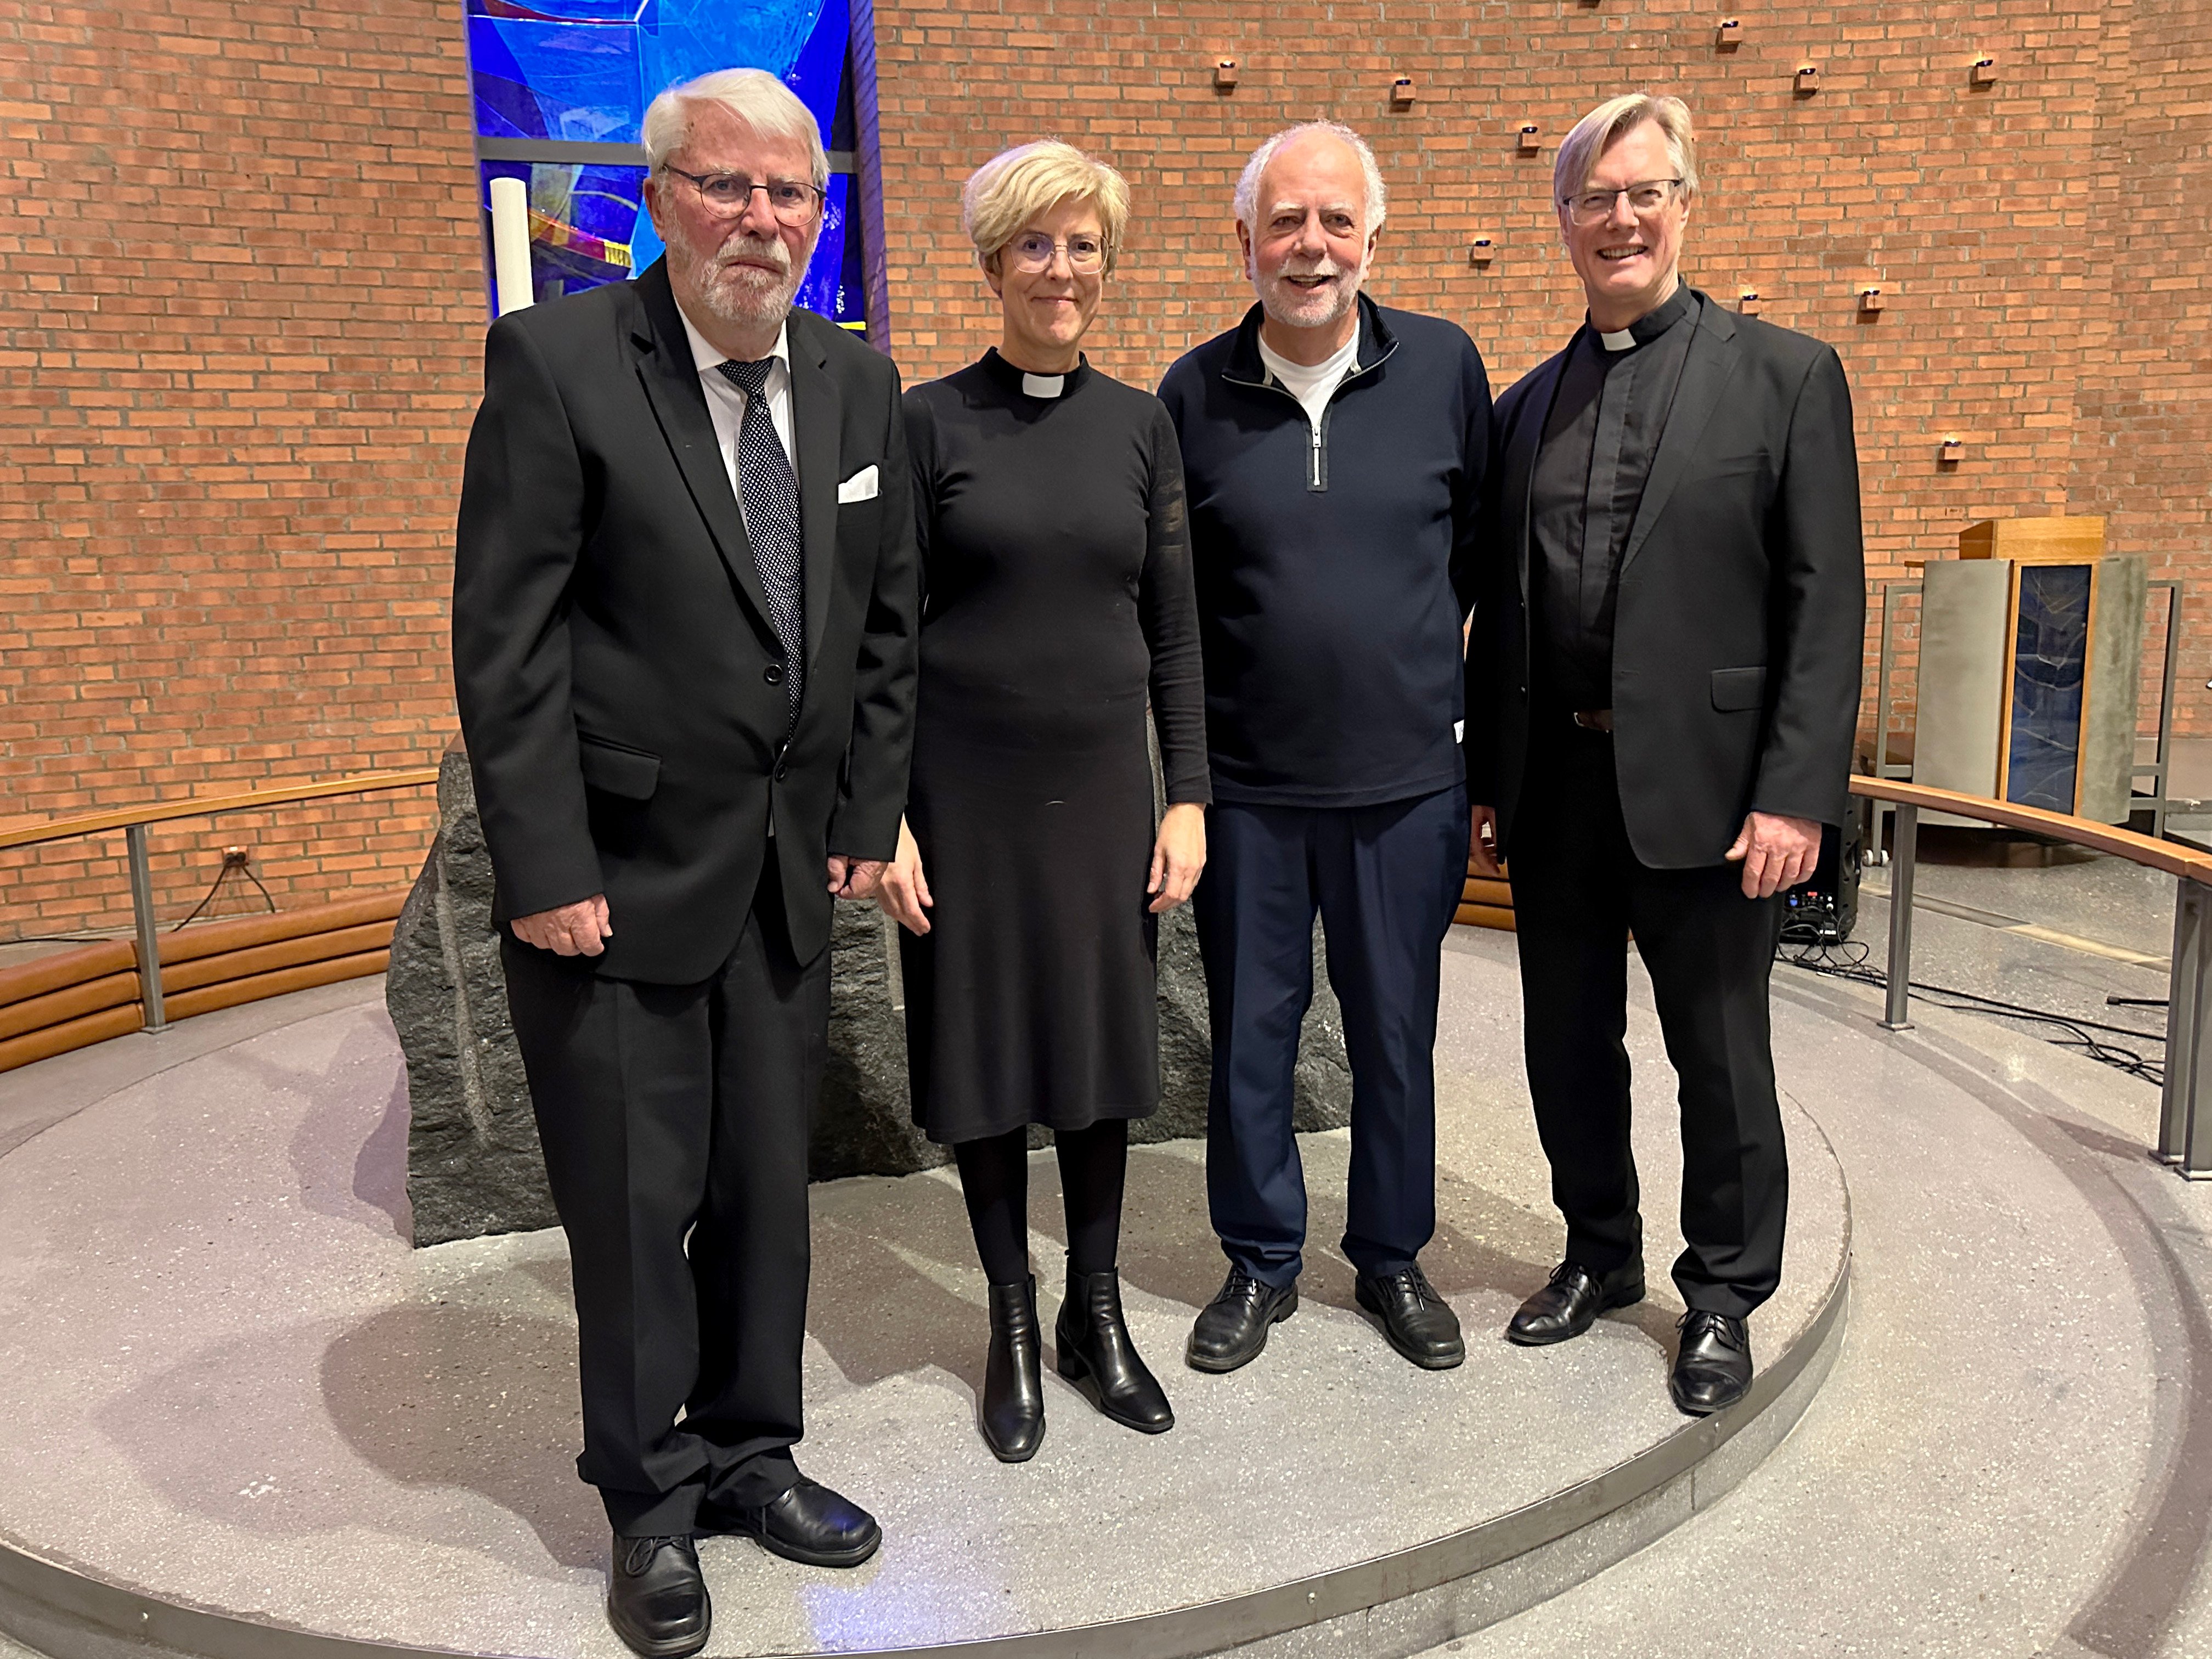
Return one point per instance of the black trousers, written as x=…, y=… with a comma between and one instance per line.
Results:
x=1579, y=892
x=675, y=1121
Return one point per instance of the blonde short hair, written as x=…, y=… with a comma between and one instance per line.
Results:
x=754, y=96
x=1580, y=150
x=1017, y=185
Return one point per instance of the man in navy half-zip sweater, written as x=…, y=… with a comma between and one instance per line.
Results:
x=1333, y=453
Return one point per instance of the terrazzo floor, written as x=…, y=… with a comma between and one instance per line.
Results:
x=228, y=1380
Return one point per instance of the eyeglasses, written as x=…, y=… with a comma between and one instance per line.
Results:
x=727, y=195
x=1032, y=251
x=1590, y=206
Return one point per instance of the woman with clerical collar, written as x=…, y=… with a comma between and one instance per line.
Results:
x=1057, y=597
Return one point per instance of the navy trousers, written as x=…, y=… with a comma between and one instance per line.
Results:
x=1386, y=880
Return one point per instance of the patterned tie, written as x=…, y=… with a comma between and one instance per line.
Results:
x=770, y=489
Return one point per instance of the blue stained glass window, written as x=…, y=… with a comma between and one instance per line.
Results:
x=547, y=73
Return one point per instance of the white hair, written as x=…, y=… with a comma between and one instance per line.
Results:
x=1247, y=199
x=754, y=96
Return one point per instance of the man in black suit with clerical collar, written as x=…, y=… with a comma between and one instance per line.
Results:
x=1664, y=679
x=684, y=608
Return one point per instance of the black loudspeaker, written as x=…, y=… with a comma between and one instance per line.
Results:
x=1823, y=909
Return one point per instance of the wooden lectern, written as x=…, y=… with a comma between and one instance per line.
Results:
x=2031, y=658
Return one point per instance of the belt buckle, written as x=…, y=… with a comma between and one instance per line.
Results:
x=1594, y=720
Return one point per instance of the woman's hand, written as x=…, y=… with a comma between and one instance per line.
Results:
x=1178, y=856
x=903, y=892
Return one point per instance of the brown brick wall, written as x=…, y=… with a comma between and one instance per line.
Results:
x=241, y=293
x=240, y=299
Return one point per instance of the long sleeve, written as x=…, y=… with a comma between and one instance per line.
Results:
x=1167, y=603
x=1469, y=549
x=520, y=534
x=1819, y=607
x=1490, y=570
x=864, y=822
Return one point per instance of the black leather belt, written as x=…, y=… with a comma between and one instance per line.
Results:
x=1594, y=720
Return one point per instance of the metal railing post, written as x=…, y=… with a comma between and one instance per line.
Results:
x=150, y=937
x=2165, y=761
x=1905, y=833
x=2183, y=988
x=1882, y=714
x=2189, y=1006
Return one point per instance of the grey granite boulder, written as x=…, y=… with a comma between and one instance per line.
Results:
x=473, y=1162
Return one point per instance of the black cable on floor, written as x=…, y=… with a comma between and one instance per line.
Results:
x=1847, y=960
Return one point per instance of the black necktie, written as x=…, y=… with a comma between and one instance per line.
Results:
x=770, y=489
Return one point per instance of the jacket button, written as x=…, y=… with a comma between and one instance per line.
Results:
x=773, y=673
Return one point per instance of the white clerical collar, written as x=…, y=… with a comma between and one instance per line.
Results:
x=707, y=357
x=1044, y=385
x=1622, y=339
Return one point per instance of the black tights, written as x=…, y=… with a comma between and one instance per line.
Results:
x=994, y=1176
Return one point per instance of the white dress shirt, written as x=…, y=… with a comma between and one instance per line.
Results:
x=726, y=401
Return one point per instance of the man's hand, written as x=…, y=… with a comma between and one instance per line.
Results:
x=1482, y=840
x=853, y=879
x=573, y=930
x=1178, y=856
x=1777, y=853
x=905, y=891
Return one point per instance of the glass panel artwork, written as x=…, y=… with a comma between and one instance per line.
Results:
x=549, y=74
x=2050, y=654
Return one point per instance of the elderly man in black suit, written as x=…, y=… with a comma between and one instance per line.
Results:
x=684, y=610
x=1663, y=691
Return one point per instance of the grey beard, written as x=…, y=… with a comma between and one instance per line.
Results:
x=1273, y=297
x=741, y=302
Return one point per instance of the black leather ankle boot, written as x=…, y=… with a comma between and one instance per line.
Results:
x=1011, y=1414
x=1096, y=1354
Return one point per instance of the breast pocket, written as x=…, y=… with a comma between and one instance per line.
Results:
x=1736, y=690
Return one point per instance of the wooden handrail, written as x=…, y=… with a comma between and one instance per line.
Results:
x=197, y=806
x=2165, y=855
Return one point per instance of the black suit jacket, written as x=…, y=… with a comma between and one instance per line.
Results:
x=611, y=645
x=1740, y=630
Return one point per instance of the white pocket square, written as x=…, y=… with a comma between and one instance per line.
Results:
x=861, y=487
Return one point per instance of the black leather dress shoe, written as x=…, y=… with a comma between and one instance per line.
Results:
x=656, y=1600
x=808, y=1523
x=1231, y=1329
x=1570, y=1303
x=1417, y=1322
x=1011, y=1411
x=1094, y=1353
x=1713, y=1368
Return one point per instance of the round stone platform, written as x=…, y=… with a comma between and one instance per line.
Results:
x=245, y=1418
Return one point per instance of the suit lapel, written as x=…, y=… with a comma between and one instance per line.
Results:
x=818, y=426
x=672, y=387
x=1705, y=372
x=1526, y=440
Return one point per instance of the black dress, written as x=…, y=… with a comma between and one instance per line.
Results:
x=1056, y=566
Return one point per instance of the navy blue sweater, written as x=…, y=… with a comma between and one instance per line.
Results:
x=1334, y=568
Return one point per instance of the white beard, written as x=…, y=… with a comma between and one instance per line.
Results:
x=739, y=295
x=1295, y=307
